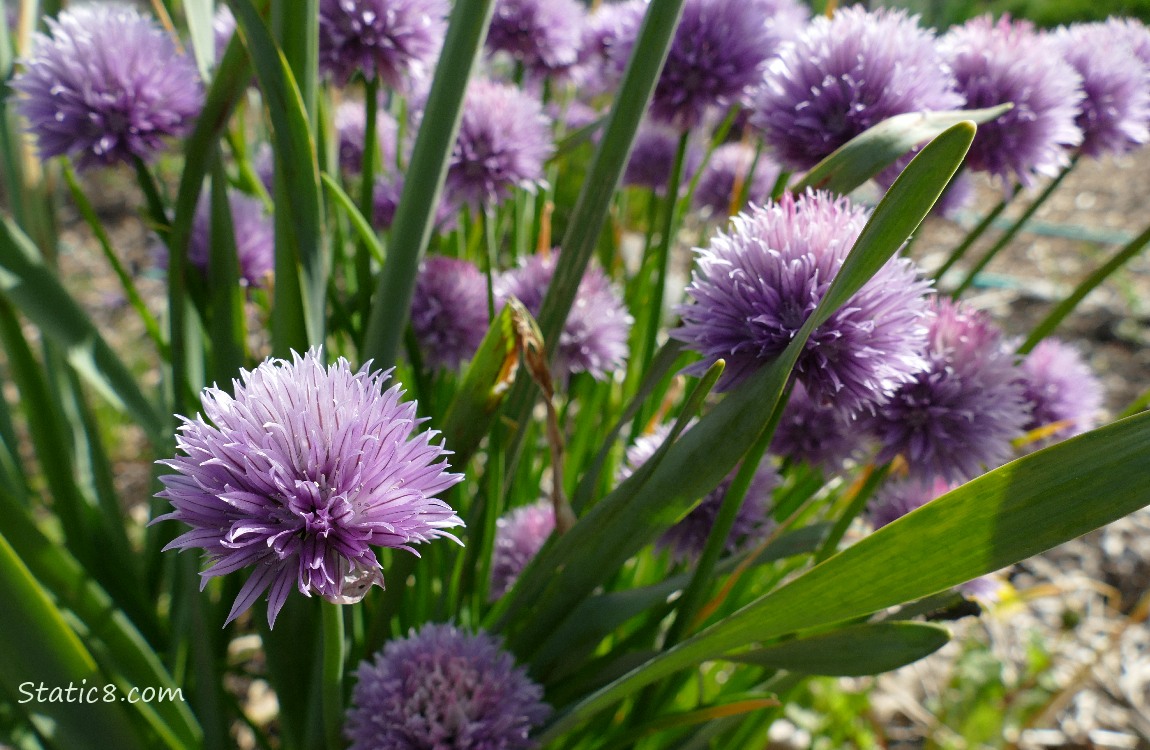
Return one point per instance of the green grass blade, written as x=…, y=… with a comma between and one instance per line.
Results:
x=484, y=385
x=363, y=229
x=232, y=78
x=426, y=172
x=603, y=178
x=226, y=324
x=1087, y=285
x=198, y=14
x=1007, y=515
x=34, y=288
x=870, y=152
x=38, y=648
x=128, y=654
x=298, y=217
x=853, y=651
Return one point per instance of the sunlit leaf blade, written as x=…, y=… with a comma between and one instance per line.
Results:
x=1007, y=515
x=868, y=153
x=635, y=513
x=38, y=648
x=853, y=651
x=199, y=17
x=35, y=289
x=125, y=649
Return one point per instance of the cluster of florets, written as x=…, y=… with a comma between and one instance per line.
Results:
x=442, y=687
x=928, y=380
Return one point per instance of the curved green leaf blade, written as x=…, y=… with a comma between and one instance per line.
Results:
x=299, y=221
x=636, y=512
x=853, y=651
x=38, y=648
x=868, y=153
x=1026, y=507
x=423, y=184
x=128, y=655
x=34, y=288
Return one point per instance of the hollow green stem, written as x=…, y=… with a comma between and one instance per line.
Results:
x=1066, y=306
x=862, y=495
x=333, y=659
x=151, y=325
x=974, y=234
x=1011, y=233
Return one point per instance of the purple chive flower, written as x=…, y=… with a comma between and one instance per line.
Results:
x=443, y=688
x=449, y=311
x=254, y=237
x=351, y=130
x=785, y=20
x=961, y=413
x=1116, y=104
x=544, y=35
x=1134, y=34
x=264, y=165
x=820, y=434
x=223, y=29
x=519, y=535
x=1008, y=61
x=299, y=475
x=846, y=74
x=504, y=138
x=687, y=538
x=1059, y=387
x=728, y=169
x=594, y=338
x=396, y=40
x=107, y=86
x=753, y=289
x=718, y=54
x=653, y=157
x=609, y=34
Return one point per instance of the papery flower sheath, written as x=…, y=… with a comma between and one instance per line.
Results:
x=446, y=689
x=753, y=289
x=594, y=337
x=107, y=85
x=299, y=475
